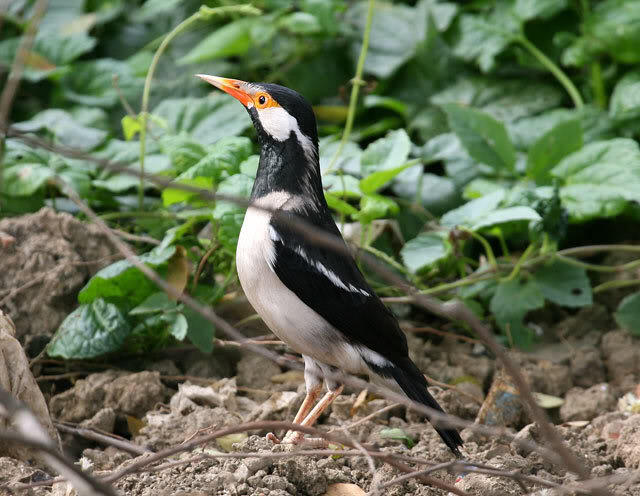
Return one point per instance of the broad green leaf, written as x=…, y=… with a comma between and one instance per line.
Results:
x=65, y=128
x=178, y=325
x=229, y=225
x=562, y=140
x=119, y=182
x=48, y=53
x=386, y=153
x=171, y=196
x=205, y=119
x=473, y=211
x=89, y=331
x=373, y=182
x=91, y=83
x=25, y=179
x=482, y=39
x=510, y=304
x=301, y=23
x=615, y=24
x=249, y=166
x=224, y=157
x=398, y=435
x=485, y=138
x=423, y=251
x=625, y=99
x=130, y=126
x=373, y=206
x=231, y=39
x=600, y=179
x=564, y=284
x=152, y=8
x=628, y=313
x=539, y=9
x=157, y=302
x=349, y=159
x=378, y=101
x=238, y=186
x=123, y=280
x=183, y=151
x=342, y=185
x=339, y=205
x=200, y=331
x=504, y=215
x=396, y=31
x=436, y=193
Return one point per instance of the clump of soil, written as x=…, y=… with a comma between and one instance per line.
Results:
x=46, y=259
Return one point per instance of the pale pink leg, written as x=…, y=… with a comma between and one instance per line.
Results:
x=304, y=409
x=295, y=437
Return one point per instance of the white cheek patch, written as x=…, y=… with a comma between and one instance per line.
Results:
x=279, y=124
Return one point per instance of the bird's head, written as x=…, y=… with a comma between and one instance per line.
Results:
x=278, y=113
x=286, y=128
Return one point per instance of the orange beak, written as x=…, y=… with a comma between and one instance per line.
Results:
x=231, y=86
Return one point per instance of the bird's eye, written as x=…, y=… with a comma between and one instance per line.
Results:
x=262, y=100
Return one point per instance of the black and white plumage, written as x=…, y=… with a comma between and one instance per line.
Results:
x=313, y=298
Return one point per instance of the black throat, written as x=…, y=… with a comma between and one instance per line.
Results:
x=284, y=166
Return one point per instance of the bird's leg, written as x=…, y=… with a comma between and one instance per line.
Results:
x=295, y=437
x=304, y=409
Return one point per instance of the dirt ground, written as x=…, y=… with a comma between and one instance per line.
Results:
x=168, y=398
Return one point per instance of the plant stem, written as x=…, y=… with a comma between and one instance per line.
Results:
x=355, y=89
x=383, y=256
x=624, y=283
x=491, y=258
x=203, y=13
x=519, y=263
x=553, y=69
x=597, y=84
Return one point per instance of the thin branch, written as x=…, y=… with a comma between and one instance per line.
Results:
x=108, y=440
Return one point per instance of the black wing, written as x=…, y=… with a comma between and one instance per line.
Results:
x=331, y=284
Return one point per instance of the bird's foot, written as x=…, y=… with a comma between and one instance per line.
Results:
x=294, y=438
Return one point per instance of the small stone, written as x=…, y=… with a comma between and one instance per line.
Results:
x=587, y=367
x=528, y=434
x=628, y=449
x=586, y=404
x=486, y=484
x=103, y=420
x=255, y=371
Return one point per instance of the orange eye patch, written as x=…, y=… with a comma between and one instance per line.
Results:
x=263, y=100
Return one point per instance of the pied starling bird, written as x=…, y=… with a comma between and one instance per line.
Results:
x=313, y=298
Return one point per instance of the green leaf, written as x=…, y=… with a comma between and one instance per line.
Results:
x=628, y=313
x=130, y=126
x=423, y=251
x=615, y=24
x=485, y=138
x=539, y=9
x=482, y=39
x=375, y=206
x=155, y=303
x=342, y=185
x=49, y=53
x=90, y=331
x=91, y=83
x=182, y=150
x=625, y=99
x=386, y=153
x=349, y=159
x=563, y=139
x=123, y=280
x=65, y=128
x=600, y=179
x=373, y=182
x=205, y=119
x=396, y=31
x=152, y=8
x=398, y=435
x=178, y=325
x=301, y=23
x=25, y=179
x=225, y=156
x=237, y=185
x=564, y=284
x=473, y=211
x=339, y=205
x=249, y=166
x=231, y=39
x=200, y=331
x=504, y=215
x=511, y=302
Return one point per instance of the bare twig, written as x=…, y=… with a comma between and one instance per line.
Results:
x=109, y=440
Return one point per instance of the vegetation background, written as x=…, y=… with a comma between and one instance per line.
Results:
x=483, y=150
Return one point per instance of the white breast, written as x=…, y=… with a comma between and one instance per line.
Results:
x=284, y=313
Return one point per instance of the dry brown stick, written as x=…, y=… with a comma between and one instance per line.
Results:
x=58, y=377
x=203, y=261
x=109, y=440
x=135, y=237
x=365, y=419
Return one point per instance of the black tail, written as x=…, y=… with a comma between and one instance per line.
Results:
x=414, y=385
